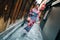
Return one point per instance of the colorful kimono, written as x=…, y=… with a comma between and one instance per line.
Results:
x=33, y=16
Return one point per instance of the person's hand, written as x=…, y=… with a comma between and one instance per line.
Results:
x=28, y=19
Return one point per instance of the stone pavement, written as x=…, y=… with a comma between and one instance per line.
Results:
x=34, y=34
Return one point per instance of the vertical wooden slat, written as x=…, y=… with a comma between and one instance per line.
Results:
x=18, y=9
x=22, y=9
x=14, y=12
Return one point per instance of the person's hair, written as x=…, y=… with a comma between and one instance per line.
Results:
x=34, y=4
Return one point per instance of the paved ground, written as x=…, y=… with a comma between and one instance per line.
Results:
x=34, y=34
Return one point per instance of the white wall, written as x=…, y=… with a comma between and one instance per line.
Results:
x=39, y=1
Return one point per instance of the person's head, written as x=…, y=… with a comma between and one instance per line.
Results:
x=37, y=6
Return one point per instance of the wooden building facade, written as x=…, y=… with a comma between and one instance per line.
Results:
x=10, y=10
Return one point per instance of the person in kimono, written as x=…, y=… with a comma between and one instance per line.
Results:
x=34, y=14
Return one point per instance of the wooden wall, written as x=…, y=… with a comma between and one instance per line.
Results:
x=4, y=13
x=10, y=10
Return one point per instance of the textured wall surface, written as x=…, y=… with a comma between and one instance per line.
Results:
x=53, y=23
